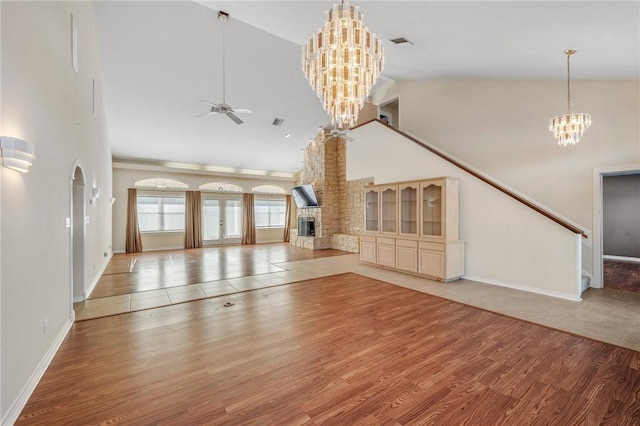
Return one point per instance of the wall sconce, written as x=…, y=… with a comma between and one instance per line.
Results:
x=96, y=194
x=17, y=154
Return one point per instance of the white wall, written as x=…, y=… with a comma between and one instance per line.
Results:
x=46, y=103
x=124, y=178
x=501, y=128
x=1, y=404
x=506, y=243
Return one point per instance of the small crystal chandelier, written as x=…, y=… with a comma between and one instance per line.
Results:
x=570, y=127
x=342, y=62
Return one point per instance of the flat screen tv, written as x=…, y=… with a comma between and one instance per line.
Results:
x=304, y=196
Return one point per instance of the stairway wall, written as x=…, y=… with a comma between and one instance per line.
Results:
x=501, y=128
x=506, y=243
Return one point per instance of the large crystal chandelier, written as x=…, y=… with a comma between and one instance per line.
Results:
x=570, y=127
x=342, y=62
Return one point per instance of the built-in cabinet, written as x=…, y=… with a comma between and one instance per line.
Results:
x=413, y=227
x=372, y=210
x=409, y=209
x=389, y=209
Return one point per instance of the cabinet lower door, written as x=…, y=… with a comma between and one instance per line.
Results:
x=368, y=252
x=386, y=256
x=407, y=259
x=432, y=263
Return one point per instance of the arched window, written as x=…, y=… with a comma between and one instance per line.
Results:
x=220, y=187
x=160, y=183
x=268, y=189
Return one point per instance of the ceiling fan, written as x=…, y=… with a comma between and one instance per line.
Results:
x=341, y=134
x=224, y=108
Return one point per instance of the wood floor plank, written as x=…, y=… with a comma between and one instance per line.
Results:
x=336, y=350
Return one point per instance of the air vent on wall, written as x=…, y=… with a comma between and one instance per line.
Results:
x=278, y=121
x=400, y=40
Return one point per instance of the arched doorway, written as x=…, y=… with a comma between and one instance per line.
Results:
x=78, y=234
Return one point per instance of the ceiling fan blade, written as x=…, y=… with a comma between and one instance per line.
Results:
x=341, y=134
x=206, y=114
x=242, y=111
x=209, y=103
x=234, y=118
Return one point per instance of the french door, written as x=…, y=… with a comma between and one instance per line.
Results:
x=221, y=219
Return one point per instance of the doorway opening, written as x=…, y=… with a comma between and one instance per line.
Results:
x=221, y=219
x=597, y=243
x=621, y=231
x=389, y=113
x=78, y=234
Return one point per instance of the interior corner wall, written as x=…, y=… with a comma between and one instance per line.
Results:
x=501, y=128
x=46, y=103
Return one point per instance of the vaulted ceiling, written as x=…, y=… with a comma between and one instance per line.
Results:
x=160, y=59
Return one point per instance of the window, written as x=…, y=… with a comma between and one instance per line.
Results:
x=267, y=189
x=160, y=213
x=269, y=213
x=220, y=187
x=160, y=183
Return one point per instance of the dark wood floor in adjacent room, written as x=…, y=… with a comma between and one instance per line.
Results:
x=620, y=275
x=336, y=350
x=137, y=272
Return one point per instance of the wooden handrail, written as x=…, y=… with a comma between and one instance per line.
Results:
x=486, y=180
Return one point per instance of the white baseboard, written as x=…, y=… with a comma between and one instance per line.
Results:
x=622, y=258
x=551, y=293
x=18, y=404
x=96, y=278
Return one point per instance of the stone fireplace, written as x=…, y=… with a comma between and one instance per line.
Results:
x=306, y=226
x=338, y=219
x=310, y=221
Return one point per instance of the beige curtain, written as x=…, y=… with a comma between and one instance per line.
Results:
x=193, y=220
x=134, y=240
x=287, y=217
x=248, y=219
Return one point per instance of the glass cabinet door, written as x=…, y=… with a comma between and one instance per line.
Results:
x=431, y=209
x=409, y=210
x=371, y=210
x=390, y=209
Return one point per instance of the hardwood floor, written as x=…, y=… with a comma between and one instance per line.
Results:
x=137, y=272
x=336, y=350
x=619, y=275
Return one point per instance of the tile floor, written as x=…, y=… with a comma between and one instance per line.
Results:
x=606, y=315
x=113, y=305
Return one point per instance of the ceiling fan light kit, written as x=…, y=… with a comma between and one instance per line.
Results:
x=223, y=108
